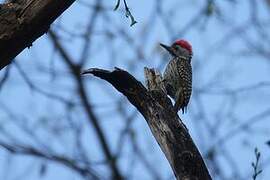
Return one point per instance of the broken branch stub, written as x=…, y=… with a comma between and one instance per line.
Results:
x=154, y=80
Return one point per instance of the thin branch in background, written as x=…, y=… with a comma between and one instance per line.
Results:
x=128, y=13
x=255, y=164
x=92, y=118
x=117, y=5
x=5, y=77
x=35, y=88
x=70, y=163
x=88, y=34
x=268, y=143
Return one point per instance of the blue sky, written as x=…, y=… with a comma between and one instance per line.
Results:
x=222, y=61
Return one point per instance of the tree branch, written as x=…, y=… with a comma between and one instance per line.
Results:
x=92, y=118
x=167, y=128
x=70, y=163
x=23, y=21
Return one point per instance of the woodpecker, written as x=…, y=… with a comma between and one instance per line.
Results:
x=177, y=76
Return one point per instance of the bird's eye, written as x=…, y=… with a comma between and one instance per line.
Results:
x=177, y=47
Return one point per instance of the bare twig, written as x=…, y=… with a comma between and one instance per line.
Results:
x=92, y=118
x=71, y=163
x=128, y=13
x=255, y=164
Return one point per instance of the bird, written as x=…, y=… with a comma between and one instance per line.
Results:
x=177, y=77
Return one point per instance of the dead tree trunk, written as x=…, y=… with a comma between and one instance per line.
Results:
x=166, y=126
x=23, y=21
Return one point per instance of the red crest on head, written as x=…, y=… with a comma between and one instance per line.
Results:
x=184, y=44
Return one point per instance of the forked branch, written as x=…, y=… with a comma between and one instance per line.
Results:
x=166, y=126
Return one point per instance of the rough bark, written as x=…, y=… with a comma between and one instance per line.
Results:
x=166, y=126
x=23, y=21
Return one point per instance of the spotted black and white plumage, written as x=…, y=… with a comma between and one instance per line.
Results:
x=177, y=76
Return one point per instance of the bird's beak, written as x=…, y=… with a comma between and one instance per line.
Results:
x=168, y=48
